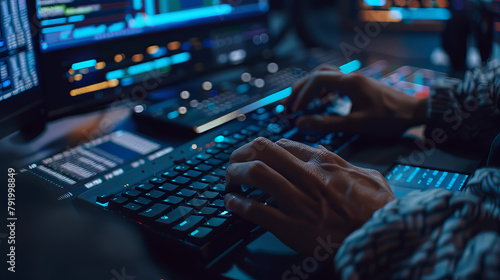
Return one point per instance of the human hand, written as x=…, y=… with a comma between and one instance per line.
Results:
x=320, y=195
x=378, y=110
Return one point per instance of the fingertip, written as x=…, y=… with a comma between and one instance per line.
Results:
x=236, y=203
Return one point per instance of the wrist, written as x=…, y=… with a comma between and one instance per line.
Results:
x=420, y=111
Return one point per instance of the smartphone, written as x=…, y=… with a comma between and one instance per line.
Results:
x=404, y=179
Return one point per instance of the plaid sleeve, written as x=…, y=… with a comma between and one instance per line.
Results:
x=434, y=234
x=468, y=111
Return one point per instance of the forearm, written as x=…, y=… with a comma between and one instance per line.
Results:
x=435, y=234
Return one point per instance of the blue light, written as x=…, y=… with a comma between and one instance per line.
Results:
x=119, y=26
x=242, y=88
x=118, y=74
x=191, y=14
x=141, y=68
x=53, y=21
x=161, y=52
x=6, y=83
x=279, y=109
x=375, y=3
x=173, y=115
x=350, y=67
x=58, y=28
x=127, y=81
x=181, y=58
x=423, y=13
x=77, y=18
x=213, y=93
x=137, y=5
x=84, y=64
x=186, y=46
x=150, y=7
x=163, y=62
x=219, y=139
x=90, y=31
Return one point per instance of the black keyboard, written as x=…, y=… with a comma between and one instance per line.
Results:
x=182, y=206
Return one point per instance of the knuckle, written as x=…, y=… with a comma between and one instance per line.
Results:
x=356, y=78
x=260, y=143
x=257, y=168
x=283, y=142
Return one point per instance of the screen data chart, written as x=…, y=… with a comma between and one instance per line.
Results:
x=17, y=58
x=68, y=23
x=405, y=11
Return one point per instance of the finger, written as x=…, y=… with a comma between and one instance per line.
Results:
x=310, y=154
x=352, y=123
x=330, y=81
x=259, y=175
x=269, y=218
x=297, y=87
x=274, y=156
x=299, y=150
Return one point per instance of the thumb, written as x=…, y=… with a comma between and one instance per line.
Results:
x=352, y=123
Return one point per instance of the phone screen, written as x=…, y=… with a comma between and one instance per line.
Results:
x=405, y=178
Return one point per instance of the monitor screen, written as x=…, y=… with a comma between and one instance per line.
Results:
x=413, y=13
x=19, y=80
x=99, y=51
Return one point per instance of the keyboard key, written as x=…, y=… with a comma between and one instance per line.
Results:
x=212, y=151
x=215, y=222
x=117, y=201
x=257, y=194
x=218, y=203
x=188, y=224
x=230, y=141
x=157, y=181
x=132, y=194
x=197, y=203
x=143, y=201
x=180, y=161
x=155, y=194
x=209, y=195
x=219, y=188
x=219, y=173
x=253, y=128
x=225, y=214
x=221, y=146
x=203, y=168
x=154, y=211
x=203, y=156
x=131, y=208
x=180, y=180
x=144, y=187
x=238, y=136
x=182, y=168
x=104, y=198
x=213, y=162
x=200, y=235
x=169, y=174
x=175, y=216
x=168, y=187
x=173, y=200
x=199, y=186
x=207, y=211
x=210, y=179
x=192, y=174
x=186, y=193
x=193, y=162
x=223, y=156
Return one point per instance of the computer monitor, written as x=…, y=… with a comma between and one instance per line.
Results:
x=96, y=52
x=20, y=93
x=411, y=15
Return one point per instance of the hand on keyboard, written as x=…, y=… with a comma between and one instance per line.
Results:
x=378, y=110
x=319, y=194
